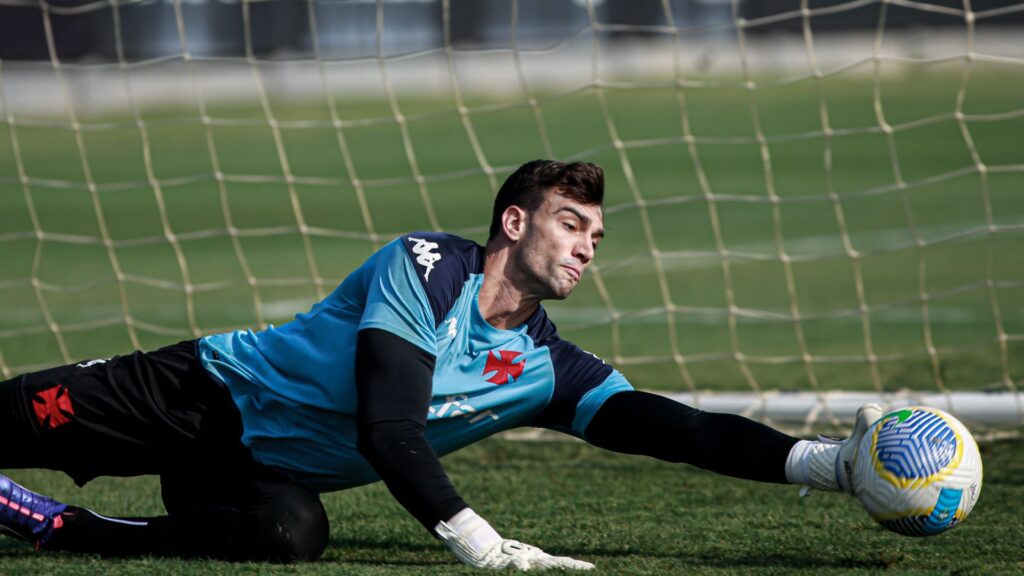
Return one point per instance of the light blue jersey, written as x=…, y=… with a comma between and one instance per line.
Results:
x=295, y=385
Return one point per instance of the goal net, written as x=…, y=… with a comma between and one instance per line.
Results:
x=809, y=203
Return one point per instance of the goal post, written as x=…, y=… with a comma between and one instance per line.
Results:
x=809, y=204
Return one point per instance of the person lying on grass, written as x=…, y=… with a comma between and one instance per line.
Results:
x=434, y=343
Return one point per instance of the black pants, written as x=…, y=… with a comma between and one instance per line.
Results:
x=157, y=413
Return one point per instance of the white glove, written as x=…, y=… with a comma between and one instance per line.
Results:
x=476, y=544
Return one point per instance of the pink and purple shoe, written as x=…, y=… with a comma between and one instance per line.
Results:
x=27, y=515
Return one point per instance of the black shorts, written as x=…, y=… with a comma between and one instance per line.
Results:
x=156, y=412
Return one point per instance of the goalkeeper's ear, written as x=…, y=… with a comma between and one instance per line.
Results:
x=513, y=223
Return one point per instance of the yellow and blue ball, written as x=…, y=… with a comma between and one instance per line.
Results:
x=918, y=471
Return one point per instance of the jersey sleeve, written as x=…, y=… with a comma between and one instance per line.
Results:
x=582, y=384
x=396, y=301
x=442, y=263
x=414, y=282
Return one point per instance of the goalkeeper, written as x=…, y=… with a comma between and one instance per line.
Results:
x=432, y=344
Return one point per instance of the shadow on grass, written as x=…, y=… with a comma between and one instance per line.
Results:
x=375, y=553
x=772, y=560
x=14, y=548
x=797, y=560
x=368, y=551
x=365, y=551
x=376, y=545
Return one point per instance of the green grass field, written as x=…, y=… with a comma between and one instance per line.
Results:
x=627, y=515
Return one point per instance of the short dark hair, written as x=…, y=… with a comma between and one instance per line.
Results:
x=525, y=188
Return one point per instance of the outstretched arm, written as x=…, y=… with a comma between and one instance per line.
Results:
x=652, y=425
x=394, y=380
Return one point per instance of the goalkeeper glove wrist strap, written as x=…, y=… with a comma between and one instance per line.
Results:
x=468, y=533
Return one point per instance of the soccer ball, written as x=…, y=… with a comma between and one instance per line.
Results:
x=918, y=471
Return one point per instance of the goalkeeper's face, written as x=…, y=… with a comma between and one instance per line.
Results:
x=558, y=244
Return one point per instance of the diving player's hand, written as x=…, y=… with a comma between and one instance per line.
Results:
x=475, y=543
x=510, y=553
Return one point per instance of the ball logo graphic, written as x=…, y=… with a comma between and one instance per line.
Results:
x=914, y=447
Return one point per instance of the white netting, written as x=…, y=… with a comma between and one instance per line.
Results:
x=794, y=202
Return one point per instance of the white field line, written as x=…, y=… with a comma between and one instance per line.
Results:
x=565, y=316
x=568, y=315
x=819, y=247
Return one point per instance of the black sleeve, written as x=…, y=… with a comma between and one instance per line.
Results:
x=393, y=381
x=653, y=425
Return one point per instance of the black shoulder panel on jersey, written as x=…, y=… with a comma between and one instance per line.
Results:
x=576, y=372
x=443, y=262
